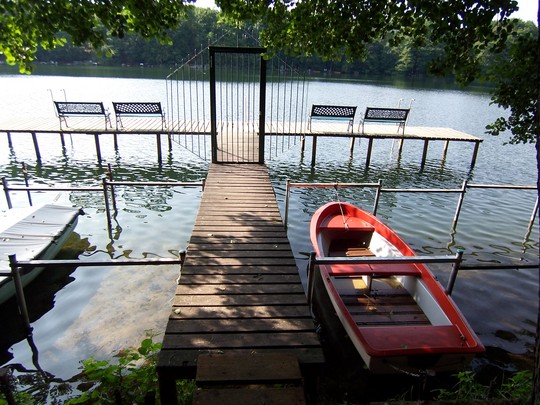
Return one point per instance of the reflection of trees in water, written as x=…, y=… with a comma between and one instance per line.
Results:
x=151, y=198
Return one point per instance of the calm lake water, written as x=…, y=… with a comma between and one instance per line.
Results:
x=95, y=312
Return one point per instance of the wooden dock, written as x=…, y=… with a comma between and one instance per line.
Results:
x=237, y=142
x=239, y=295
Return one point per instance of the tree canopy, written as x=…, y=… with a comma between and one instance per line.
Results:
x=466, y=28
x=25, y=24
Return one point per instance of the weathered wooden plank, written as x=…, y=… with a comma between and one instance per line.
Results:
x=239, y=289
x=240, y=227
x=308, y=358
x=277, y=325
x=250, y=369
x=242, y=340
x=207, y=247
x=207, y=239
x=238, y=253
x=267, y=396
x=251, y=312
x=203, y=268
x=238, y=234
x=250, y=261
x=239, y=300
x=228, y=278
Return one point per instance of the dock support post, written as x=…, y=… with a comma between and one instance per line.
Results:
x=424, y=153
x=351, y=147
x=25, y=174
x=98, y=149
x=459, y=204
x=454, y=273
x=368, y=156
x=10, y=144
x=113, y=196
x=302, y=144
x=62, y=141
x=445, y=149
x=115, y=140
x=107, y=207
x=167, y=390
x=314, y=151
x=475, y=153
x=6, y=191
x=377, y=197
x=401, y=141
x=19, y=290
x=36, y=146
x=158, y=142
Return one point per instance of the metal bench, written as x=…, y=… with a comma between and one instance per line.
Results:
x=333, y=112
x=386, y=116
x=138, y=109
x=79, y=108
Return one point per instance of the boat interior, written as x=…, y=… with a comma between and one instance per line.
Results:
x=378, y=294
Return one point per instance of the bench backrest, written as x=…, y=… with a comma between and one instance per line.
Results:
x=134, y=108
x=333, y=111
x=386, y=114
x=79, y=108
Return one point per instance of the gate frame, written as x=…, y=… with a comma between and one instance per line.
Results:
x=262, y=96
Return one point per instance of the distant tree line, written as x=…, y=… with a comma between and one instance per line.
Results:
x=205, y=27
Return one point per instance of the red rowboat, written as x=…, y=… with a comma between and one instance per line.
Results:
x=395, y=312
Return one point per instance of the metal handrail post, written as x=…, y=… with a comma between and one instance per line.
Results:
x=106, y=198
x=19, y=291
x=454, y=273
x=459, y=204
x=377, y=197
x=287, y=196
x=25, y=174
x=111, y=183
x=6, y=192
x=533, y=215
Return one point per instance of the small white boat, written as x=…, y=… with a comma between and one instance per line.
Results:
x=32, y=233
x=397, y=315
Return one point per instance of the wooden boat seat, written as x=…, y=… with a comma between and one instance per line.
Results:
x=350, y=223
x=385, y=341
x=376, y=270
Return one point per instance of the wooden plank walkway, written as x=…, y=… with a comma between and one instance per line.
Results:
x=239, y=292
x=238, y=141
x=144, y=125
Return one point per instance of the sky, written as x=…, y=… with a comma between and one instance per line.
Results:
x=528, y=9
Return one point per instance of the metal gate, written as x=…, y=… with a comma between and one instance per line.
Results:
x=237, y=104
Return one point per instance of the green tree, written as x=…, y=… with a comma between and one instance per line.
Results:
x=27, y=24
x=516, y=73
x=465, y=28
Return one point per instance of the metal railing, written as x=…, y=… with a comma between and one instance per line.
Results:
x=17, y=266
x=380, y=189
x=316, y=261
x=107, y=189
